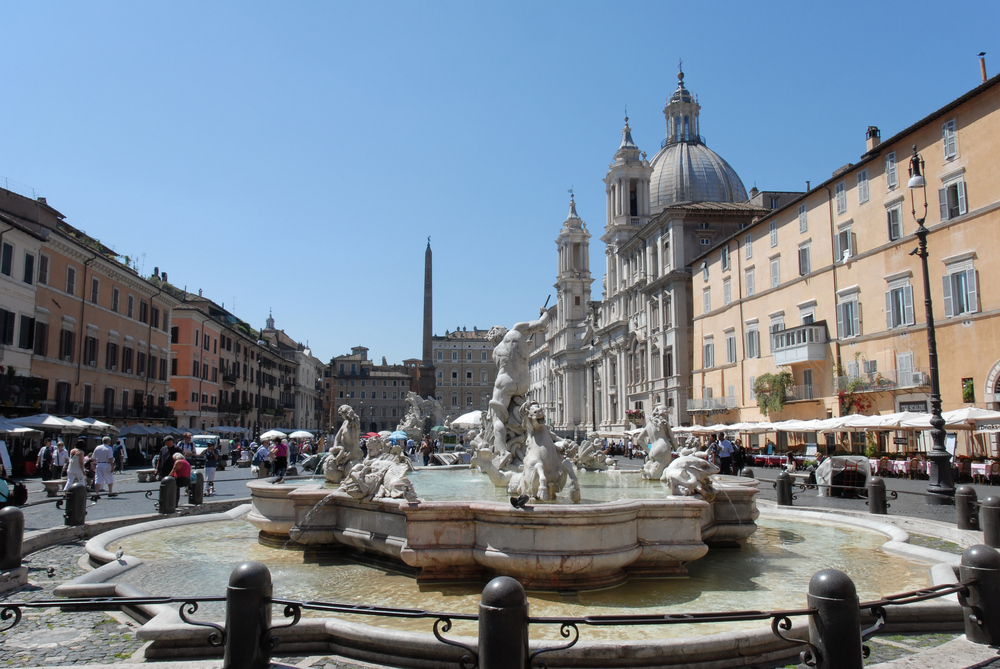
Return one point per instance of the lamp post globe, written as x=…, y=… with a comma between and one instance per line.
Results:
x=941, y=489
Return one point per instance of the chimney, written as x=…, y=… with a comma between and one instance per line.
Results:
x=42, y=200
x=164, y=277
x=982, y=65
x=156, y=272
x=873, y=137
x=807, y=186
x=199, y=292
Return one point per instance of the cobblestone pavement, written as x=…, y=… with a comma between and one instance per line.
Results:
x=51, y=637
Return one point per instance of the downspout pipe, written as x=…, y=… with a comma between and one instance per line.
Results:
x=83, y=326
x=833, y=250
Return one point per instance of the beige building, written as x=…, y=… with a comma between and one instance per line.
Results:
x=463, y=363
x=377, y=393
x=828, y=289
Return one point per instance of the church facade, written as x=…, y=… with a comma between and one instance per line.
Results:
x=606, y=361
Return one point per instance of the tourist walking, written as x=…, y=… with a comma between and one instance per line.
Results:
x=104, y=474
x=74, y=470
x=119, y=451
x=279, y=451
x=211, y=463
x=181, y=472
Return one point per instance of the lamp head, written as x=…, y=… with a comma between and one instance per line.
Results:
x=916, y=171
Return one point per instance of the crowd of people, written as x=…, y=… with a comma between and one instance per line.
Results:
x=77, y=465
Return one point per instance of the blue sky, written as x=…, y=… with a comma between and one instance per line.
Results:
x=295, y=156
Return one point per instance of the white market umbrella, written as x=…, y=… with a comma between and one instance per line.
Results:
x=959, y=419
x=468, y=420
x=44, y=421
x=99, y=426
x=273, y=434
x=301, y=434
x=9, y=427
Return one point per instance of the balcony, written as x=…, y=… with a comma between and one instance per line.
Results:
x=804, y=343
x=711, y=404
x=229, y=379
x=874, y=382
x=799, y=393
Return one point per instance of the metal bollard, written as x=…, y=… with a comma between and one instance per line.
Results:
x=835, y=628
x=196, y=491
x=503, y=625
x=76, y=504
x=876, y=496
x=168, y=495
x=248, y=617
x=966, y=512
x=981, y=607
x=989, y=521
x=11, y=537
x=747, y=472
x=783, y=484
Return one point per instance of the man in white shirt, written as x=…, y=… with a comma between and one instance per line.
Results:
x=104, y=459
x=59, y=459
x=725, y=454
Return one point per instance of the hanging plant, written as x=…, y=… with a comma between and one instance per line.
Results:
x=771, y=389
x=851, y=396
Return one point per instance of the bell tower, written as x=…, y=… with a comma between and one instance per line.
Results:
x=573, y=279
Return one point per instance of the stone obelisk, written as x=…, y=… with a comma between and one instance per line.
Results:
x=427, y=386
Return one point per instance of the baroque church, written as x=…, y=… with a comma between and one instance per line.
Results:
x=604, y=360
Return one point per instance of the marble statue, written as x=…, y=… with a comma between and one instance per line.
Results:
x=510, y=353
x=346, y=450
x=591, y=455
x=691, y=474
x=376, y=479
x=657, y=435
x=545, y=471
x=418, y=411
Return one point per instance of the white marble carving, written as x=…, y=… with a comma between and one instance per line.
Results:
x=379, y=479
x=346, y=450
x=691, y=474
x=661, y=443
x=420, y=411
x=590, y=455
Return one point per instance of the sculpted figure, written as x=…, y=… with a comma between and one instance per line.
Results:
x=545, y=471
x=346, y=449
x=690, y=474
x=591, y=456
x=379, y=479
x=510, y=354
x=661, y=443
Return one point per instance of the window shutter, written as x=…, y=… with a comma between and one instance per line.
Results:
x=888, y=310
x=943, y=203
x=908, y=305
x=960, y=186
x=9, y=328
x=840, y=320
x=853, y=369
x=947, y=295
x=973, y=292
x=857, y=318
x=838, y=252
x=852, y=241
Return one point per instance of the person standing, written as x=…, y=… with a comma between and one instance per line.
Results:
x=44, y=461
x=725, y=454
x=739, y=457
x=166, y=461
x=119, y=451
x=262, y=459
x=104, y=474
x=74, y=472
x=425, y=451
x=60, y=458
x=279, y=451
x=211, y=463
x=186, y=447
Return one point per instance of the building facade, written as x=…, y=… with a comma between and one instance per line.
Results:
x=377, y=393
x=465, y=371
x=827, y=287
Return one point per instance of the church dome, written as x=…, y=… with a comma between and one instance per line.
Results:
x=685, y=170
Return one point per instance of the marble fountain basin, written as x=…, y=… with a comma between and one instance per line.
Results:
x=562, y=547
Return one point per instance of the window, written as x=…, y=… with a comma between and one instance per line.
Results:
x=894, y=220
x=708, y=300
x=951, y=197
x=111, y=355
x=704, y=270
x=727, y=293
x=71, y=280
x=95, y=290
x=29, y=268
x=440, y=355
x=115, y=299
x=127, y=360
x=41, y=338
x=960, y=288
x=753, y=395
x=130, y=306
x=194, y=368
x=43, y=269
x=748, y=246
x=156, y=321
x=890, y=171
x=848, y=316
x=749, y=281
x=725, y=258
x=844, y=244
x=772, y=229
x=841, y=198
x=484, y=356
x=752, y=341
x=862, y=186
x=708, y=353
x=949, y=139
x=7, y=259
x=705, y=241
x=668, y=361
x=67, y=343
x=454, y=355
x=775, y=272
x=804, y=266
x=899, y=304
x=140, y=363
x=90, y=351
x=26, y=337
x=803, y=218
x=731, y=347
x=143, y=311
x=7, y=321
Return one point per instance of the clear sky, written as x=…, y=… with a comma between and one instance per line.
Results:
x=294, y=156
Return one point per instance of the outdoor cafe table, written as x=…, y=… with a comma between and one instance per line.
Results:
x=979, y=468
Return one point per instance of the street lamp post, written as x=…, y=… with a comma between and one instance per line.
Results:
x=941, y=487
x=260, y=400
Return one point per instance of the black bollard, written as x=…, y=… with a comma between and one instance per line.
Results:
x=989, y=521
x=783, y=484
x=196, y=491
x=503, y=625
x=876, y=496
x=11, y=537
x=76, y=504
x=981, y=606
x=168, y=495
x=248, y=617
x=747, y=472
x=966, y=513
x=835, y=628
